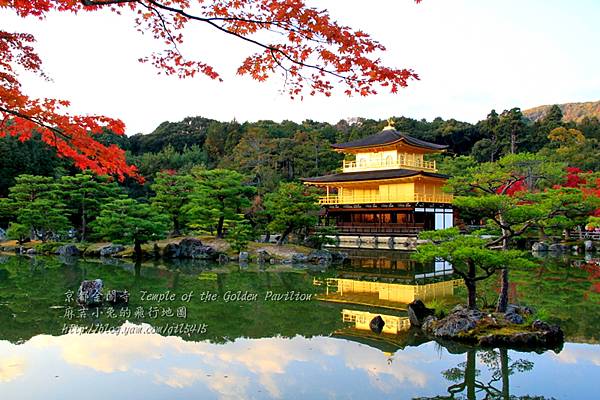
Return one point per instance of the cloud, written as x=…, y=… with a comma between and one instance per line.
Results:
x=11, y=368
x=229, y=370
x=579, y=354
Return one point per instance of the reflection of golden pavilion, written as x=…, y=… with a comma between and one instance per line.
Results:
x=392, y=267
x=389, y=188
x=382, y=294
x=361, y=320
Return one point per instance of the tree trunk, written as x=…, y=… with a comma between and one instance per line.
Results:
x=513, y=142
x=83, y=224
x=220, y=227
x=503, y=296
x=470, y=374
x=472, y=294
x=267, y=236
x=137, y=249
x=505, y=373
x=284, y=236
x=176, y=227
x=471, y=285
x=137, y=269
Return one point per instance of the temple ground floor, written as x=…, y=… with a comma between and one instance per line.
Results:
x=404, y=220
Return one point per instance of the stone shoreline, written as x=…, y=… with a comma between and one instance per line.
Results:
x=216, y=250
x=488, y=330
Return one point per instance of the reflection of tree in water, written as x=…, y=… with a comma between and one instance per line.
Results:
x=467, y=378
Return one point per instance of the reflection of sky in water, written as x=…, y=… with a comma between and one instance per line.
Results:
x=156, y=367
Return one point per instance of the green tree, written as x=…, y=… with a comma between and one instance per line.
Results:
x=515, y=195
x=469, y=255
x=216, y=136
x=292, y=207
x=46, y=218
x=18, y=232
x=256, y=154
x=239, y=234
x=172, y=194
x=84, y=195
x=488, y=148
x=570, y=146
x=553, y=118
x=218, y=195
x=512, y=128
x=33, y=201
x=129, y=221
x=32, y=157
x=169, y=158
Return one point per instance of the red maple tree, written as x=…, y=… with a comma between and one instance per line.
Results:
x=302, y=43
x=575, y=178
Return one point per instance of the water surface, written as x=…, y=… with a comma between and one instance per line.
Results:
x=283, y=349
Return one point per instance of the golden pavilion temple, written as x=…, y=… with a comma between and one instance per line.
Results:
x=386, y=187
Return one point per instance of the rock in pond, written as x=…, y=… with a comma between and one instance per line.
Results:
x=558, y=248
x=189, y=248
x=514, y=318
x=377, y=324
x=111, y=250
x=539, y=246
x=90, y=293
x=299, y=258
x=68, y=250
x=320, y=257
x=417, y=312
x=339, y=257
x=541, y=336
x=171, y=250
x=460, y=320
x=262, y=256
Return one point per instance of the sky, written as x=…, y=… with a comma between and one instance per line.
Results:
x=471, y=55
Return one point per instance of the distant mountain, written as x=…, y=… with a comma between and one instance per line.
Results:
x=571, y=111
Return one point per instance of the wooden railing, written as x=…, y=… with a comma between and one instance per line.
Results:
x=379, y=229
x=352, y=166
x=377, y=198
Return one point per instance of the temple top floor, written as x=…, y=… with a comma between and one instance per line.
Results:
x=388, y=149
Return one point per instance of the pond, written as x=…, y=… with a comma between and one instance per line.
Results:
x=195, y=330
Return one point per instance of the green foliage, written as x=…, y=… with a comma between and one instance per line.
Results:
x=168, y=158
x=456, y=166
x=32, y=157
x=35, y=202
x=239, y=234
x=293, y=207
x=541, y=313
x=440, y=306
x=218, y=195
x=83, y=195
x=129, y=221
x=172, y=194
x=186, y=133
x=593, y=222
x=502, y=192
x=469, y=255
x=18, y=232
